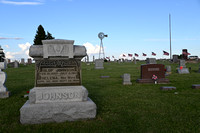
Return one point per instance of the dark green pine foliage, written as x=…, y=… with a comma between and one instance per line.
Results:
x=49, y=36
x=40, y=35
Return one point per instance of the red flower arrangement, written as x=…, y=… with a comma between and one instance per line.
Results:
x=154, y=77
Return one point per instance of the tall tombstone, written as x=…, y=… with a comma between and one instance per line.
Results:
x=99, y=64
x=16, y=64
x=29, y=61
x=9, y=61
x=4, y=93
x=149, y=70
x=182, y=67
x=185, y=56
x=135, y=62
x=175, y=58
x=58, y=95
x=22, y=61
x=168, y=70
x=93, y=59
x=151, y=61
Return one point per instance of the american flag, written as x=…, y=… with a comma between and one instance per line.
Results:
x=130, y=55
x=165, y=53
x=154, y=54
x=136, y=55
x=124, y=55
x=144, y=54
x=108, y=57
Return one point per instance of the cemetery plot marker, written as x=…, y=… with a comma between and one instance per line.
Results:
x=58, y=94
x=148, y=70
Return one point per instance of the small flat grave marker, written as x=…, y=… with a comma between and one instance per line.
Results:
x=168, y=88
x=196, y=86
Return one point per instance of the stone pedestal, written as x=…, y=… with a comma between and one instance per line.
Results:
x=3, y=90
x=99, y=64
x=58, y=94
x=57, y=104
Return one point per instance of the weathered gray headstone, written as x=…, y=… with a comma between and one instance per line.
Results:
x=168, y=70
x=16, y=64
x=135, y=62
x=29, y=61
x=182, y=67
x=126, y=79
x=22, y=61
x=58, y=94
x=151, y=61
x=175, y=58
x=99, y=64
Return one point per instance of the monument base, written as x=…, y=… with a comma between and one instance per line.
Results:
x=159, y=81
x=57, y=112
x=127, y=83
x=183, y=71
x=4, y=94
x=99, y=67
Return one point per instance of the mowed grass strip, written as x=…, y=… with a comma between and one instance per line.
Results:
x=131, y=108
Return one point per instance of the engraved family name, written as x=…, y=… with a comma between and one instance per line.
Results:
x=60, y=96
x=153, y=69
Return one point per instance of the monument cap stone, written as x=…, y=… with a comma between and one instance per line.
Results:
x=63, y=48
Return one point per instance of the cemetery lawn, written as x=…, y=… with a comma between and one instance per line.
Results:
x=132, y=108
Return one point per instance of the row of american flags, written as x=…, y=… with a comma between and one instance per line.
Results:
x=143, y=54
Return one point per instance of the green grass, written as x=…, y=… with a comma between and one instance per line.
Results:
x=136, y=108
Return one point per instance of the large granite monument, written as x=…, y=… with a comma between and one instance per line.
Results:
x=4, y=93
x=58, y=94
x=150, y=70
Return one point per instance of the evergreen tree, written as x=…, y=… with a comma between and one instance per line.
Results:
x=49, y=36
x=40, y=35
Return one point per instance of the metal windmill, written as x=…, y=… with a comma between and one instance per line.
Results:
x=101, y=35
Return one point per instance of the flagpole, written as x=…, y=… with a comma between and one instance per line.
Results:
x=170, y=36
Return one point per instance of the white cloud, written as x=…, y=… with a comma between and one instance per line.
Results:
x=21, y=3
x=10, y=55
x=23, y=53
x=91, y=49
x=24, y=46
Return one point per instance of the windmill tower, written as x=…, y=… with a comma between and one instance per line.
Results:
x=101, y=35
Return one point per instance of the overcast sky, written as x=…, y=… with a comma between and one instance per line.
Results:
x=133, y=26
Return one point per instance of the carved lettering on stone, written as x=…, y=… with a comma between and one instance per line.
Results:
x=58, y=72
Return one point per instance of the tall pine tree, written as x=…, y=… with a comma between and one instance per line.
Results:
x=49, y=36
x=40, y=35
